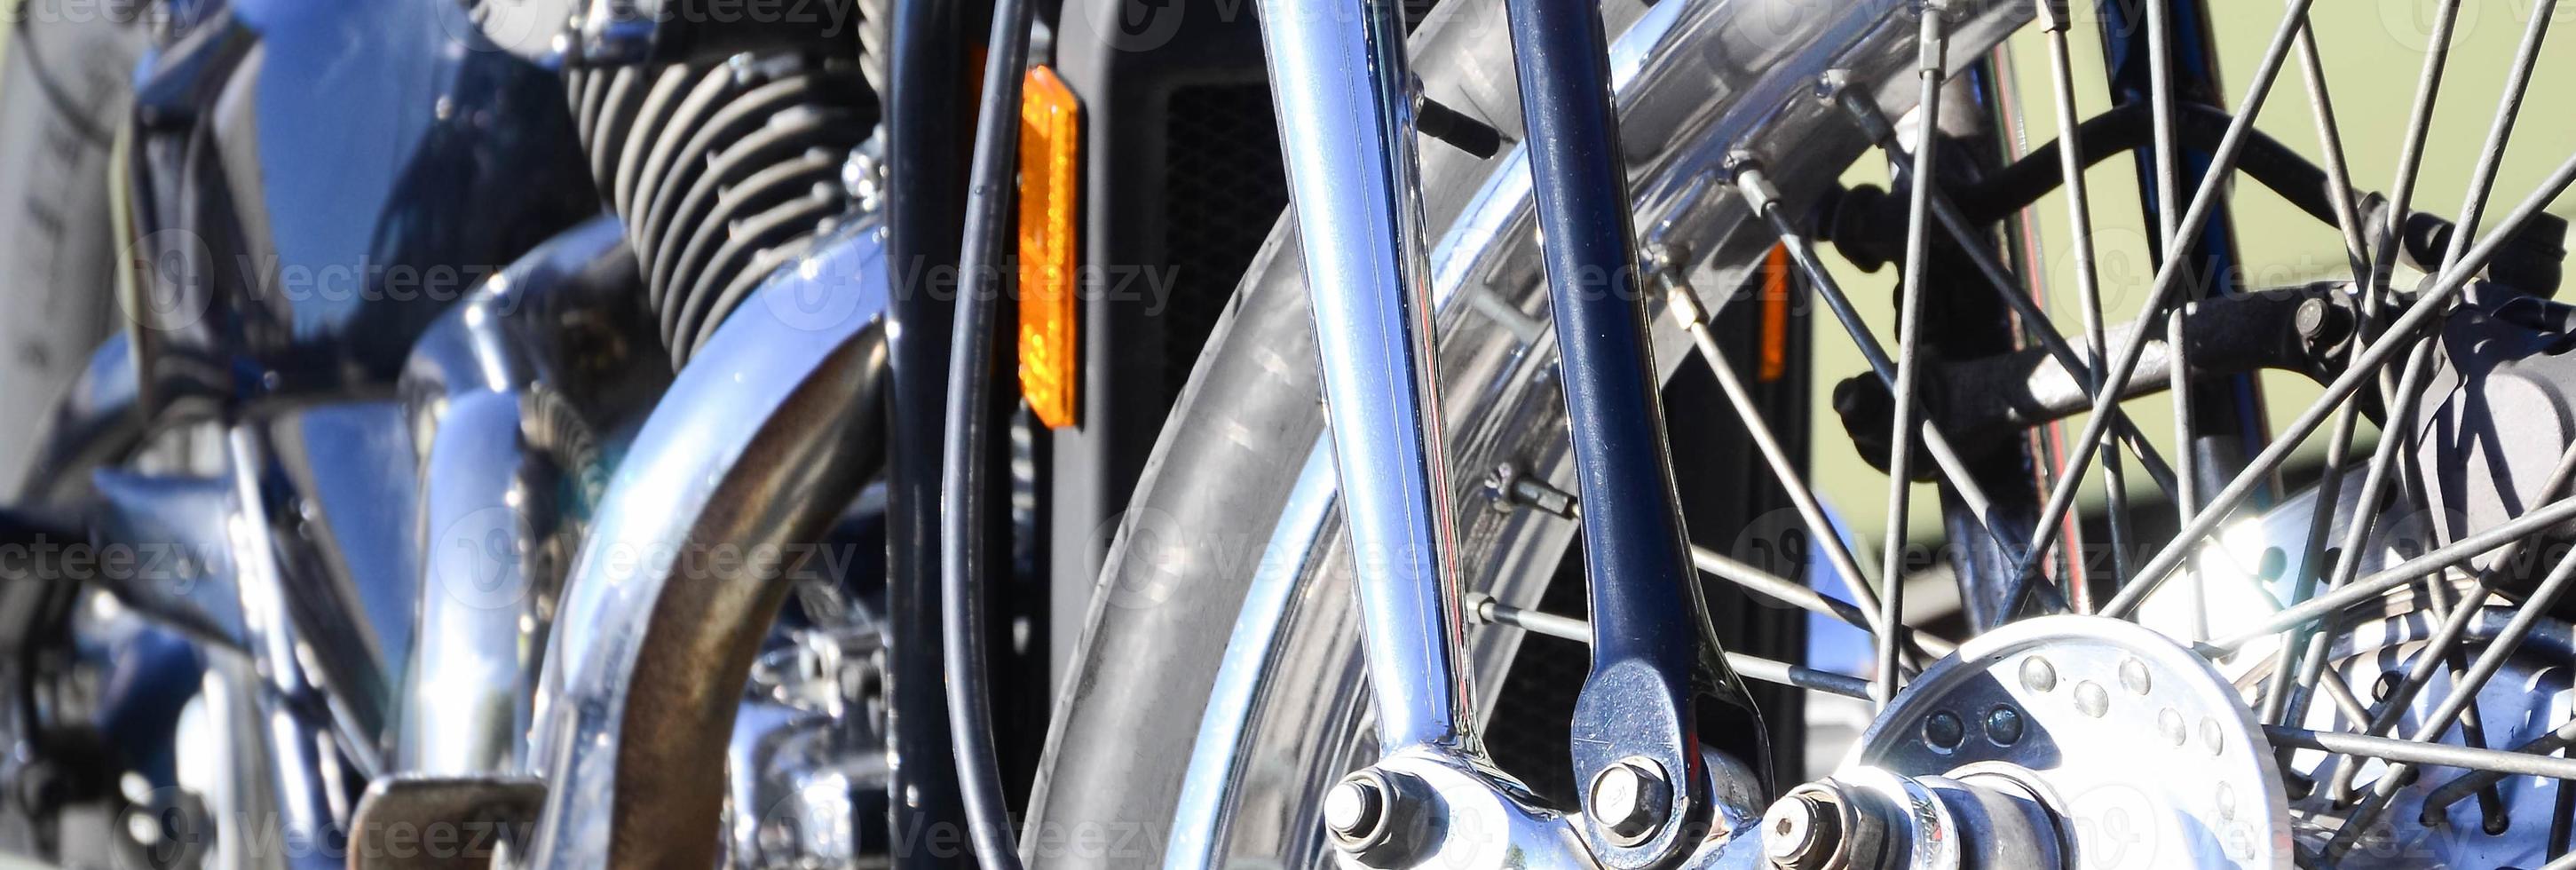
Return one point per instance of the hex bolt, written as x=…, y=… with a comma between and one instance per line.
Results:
x=1630, y=799
x=1380, y=817
x=1801, y=832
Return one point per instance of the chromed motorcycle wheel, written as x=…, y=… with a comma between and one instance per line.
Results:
x=1219, y=688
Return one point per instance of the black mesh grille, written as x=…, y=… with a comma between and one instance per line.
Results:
x=1532, y=724
x=1223, y=189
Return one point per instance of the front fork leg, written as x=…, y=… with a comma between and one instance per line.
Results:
x=1652, y=655
x=1345, y=102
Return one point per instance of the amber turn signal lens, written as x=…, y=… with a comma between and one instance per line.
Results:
x=1050, y=148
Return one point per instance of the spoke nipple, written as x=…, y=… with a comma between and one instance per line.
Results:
x=1510, y=489
x=1630, y=799
x=1831, y=85
x=1759, y=194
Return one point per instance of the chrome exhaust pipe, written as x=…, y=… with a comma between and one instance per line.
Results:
x=501, y=456
x=759, y=445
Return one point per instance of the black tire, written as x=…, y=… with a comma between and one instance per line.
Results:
x=64, y=90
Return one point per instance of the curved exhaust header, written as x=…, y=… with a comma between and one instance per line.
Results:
x=761, y=442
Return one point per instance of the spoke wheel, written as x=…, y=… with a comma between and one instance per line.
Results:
x=2290, y=608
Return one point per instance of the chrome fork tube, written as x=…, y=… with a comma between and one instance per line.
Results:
x=1345, y=103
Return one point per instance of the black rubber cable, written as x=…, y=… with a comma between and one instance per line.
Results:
x=962, y=472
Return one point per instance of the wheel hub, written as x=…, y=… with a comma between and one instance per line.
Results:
x=2061, y=741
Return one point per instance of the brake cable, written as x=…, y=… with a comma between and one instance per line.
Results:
x=962, y=472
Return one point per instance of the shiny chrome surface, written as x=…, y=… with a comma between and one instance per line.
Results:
x=2149, y=756
x=1496, y=355
x=806, y=771
x=293, y=573
x=312, y=727
x=757, y=446
x=1239, y=680
x=1345, y=102
x=1485, y=826
x=187, y=518
x=506, y=464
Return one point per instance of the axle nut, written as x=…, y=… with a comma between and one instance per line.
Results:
x=1801, y=832
x=1381, y=817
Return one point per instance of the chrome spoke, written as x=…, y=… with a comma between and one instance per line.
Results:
x=1750, y=667
x=2458, y=264
x=1684, y=303
x=2410, y=571
x=1764, y=200
x=2079, y=210
x=2446, y=794
x=2432, y=754
x=2432, y=302
x=2463, y=691
x=2455, y=622
x=1933, y=44
x=1961, y=231
x=2481, y=185
x=2410, y=160
x=2204, y=202
x=2301, y=663
x=1542, y=497
x=2186, y=499
x=2499, y=133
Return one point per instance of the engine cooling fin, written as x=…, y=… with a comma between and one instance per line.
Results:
x=720, y=171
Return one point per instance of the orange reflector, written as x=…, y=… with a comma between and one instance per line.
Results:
x=1775, y=315
x=1050, y=130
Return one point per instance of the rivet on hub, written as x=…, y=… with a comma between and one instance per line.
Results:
x=2091, y=699
x=2169, y=724
x=2133, y=676
x=2038, y=675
